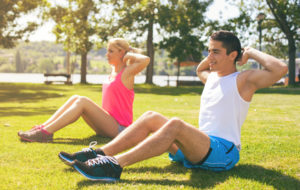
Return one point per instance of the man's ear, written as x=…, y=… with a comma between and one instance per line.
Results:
x=233, y=55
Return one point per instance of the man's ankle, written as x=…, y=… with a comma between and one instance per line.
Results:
x=100, y=151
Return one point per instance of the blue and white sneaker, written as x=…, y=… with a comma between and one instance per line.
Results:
x=102, y=168
x=84, y=155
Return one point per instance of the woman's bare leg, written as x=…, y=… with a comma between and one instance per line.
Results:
x=61, y=110
x=97, y=118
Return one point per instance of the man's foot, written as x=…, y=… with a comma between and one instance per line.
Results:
x=103, y=168
x=36, y=127
x=82, y=156
x=38, y=135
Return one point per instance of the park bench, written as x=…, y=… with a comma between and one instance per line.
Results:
x=49, y=78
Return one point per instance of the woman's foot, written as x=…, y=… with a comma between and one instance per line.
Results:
x=37, y=135
x=36, y=127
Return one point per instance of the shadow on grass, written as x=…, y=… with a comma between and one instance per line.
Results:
x=28, y=93
x=182, y=90
x=168, y=90
x=85, y=141
x=207, y=179
x=20, y=111
x=279, y=90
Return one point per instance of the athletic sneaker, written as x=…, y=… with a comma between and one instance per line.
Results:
x=32, y=129
x=103, y=168
x=82, y=156
x=38, y=135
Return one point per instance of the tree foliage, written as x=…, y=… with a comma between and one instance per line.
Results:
x=185, y=22
x=287, y=17
x=174, y=23
x=280, y=28
x=75, y=27
x=10, y=12
x=138, y=17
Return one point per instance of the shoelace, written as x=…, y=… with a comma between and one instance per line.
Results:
x=91, y=145
x=101, y=160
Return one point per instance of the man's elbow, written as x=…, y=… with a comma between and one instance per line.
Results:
x=284, y=70
x=147, y=60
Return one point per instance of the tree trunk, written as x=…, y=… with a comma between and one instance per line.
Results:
x=83, y=68
x=292, y=60
x=68, y=62
x=150, y=53
x=178, y=73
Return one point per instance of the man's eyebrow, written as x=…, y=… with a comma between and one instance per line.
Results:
x=214, y=50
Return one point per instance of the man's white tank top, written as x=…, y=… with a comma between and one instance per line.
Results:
x=222, y=109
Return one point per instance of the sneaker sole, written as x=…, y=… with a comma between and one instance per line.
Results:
x=65, y=160
x=93, y=178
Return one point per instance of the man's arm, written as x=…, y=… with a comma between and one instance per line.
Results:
x=253, y=80
x=203, y=70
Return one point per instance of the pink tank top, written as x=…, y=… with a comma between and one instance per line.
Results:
x=117, y=100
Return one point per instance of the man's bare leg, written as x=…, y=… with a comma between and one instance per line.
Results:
x=148, y=123
x=193, y=143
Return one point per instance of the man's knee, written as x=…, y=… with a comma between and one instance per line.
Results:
x=175, y=124
x=152, y=120
x=151, y=115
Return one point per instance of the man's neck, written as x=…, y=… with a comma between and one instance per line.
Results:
x=227, y=72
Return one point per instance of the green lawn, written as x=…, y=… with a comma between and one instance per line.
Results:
x=270, y=156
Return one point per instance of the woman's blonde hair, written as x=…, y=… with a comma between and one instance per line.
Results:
x=122, y=44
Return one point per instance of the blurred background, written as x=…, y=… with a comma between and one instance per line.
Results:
x=70, y=36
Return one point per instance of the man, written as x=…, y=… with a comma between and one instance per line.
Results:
x=224, y=105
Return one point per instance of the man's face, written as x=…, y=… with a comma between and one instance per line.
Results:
x=219, y=60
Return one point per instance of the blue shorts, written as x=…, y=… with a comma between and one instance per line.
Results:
x=222, y=156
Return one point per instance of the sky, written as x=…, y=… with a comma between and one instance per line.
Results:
x=218, y=10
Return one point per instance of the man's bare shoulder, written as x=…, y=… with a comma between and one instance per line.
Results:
x=245, y=87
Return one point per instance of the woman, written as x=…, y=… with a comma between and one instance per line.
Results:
x=117, y=98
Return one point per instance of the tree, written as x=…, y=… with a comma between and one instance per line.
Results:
x=19, y=66
x=138, y=17
x=287, y=16
x=11, y=11
x=184, y=21
x=281, y=26
x=74, y=28
x=145, y=18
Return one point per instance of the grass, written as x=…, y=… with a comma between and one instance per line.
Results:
x=270, y=156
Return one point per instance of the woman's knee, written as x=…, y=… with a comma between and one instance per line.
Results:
x=74, y=97
x=82, y=100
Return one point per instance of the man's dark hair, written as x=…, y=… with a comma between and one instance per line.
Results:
x=229, y=41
